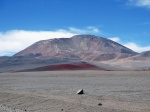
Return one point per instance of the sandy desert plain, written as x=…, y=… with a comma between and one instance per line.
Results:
x=55, y=91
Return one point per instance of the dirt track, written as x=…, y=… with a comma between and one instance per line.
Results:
x=56, y=91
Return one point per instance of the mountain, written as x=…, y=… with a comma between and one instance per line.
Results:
x=81, y=47
x=65, y=52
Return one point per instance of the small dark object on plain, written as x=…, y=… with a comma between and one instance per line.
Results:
x=79, y=92
x=100, y=104
x=62, y=109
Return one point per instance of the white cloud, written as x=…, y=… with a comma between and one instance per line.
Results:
x=131, y=45
x=89, y=29
x=136, y=47
x=140, y=3
x=15, y=40
x=73, y=29
x=93, y=29
x=116, y=39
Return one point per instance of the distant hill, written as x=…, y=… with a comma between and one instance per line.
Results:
x=141, y=56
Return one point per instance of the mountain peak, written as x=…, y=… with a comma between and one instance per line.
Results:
x=81, y=47
x=84, y=36
x=87, y=36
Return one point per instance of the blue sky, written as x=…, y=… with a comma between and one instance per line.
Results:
x=23, y=22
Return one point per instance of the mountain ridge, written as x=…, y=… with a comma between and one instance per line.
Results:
x=101, y=52
x=86, y=47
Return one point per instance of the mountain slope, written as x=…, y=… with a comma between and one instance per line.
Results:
x=142, y=56
x=66, y=66
x=140, y=61
x=84, y=47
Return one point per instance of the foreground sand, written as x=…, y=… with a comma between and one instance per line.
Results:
x=119, y=91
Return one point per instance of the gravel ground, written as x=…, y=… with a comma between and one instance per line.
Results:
x=117, y=91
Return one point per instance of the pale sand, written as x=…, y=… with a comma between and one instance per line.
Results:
x=55, y=91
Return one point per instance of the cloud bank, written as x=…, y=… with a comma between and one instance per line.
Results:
x=16, y=40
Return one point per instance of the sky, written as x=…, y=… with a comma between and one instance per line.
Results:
x=23, y=22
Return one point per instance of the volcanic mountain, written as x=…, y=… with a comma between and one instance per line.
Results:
x=82, y=47
x=66, y=51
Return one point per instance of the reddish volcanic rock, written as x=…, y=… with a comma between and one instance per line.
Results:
x=68, y=66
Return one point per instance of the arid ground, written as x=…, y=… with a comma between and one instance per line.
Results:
x=55, y=91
